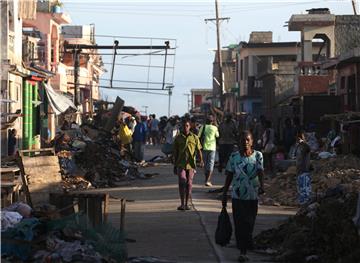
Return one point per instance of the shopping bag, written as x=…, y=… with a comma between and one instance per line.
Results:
x=224, y=228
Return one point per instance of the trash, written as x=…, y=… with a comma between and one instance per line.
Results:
x=9, y=219
x=23, y=209
x=326, y=155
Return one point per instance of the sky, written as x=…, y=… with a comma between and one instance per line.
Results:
x=189, y=64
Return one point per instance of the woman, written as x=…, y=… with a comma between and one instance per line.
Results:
x=245, y=172
x=268, y=146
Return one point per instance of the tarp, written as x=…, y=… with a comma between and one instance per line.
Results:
x=58, y=102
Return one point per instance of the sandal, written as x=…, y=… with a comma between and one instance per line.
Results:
x=187, y=207
x=243, y=258
x=181, y=208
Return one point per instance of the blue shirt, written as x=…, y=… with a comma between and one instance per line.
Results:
x=245, y=183
x=140, y=132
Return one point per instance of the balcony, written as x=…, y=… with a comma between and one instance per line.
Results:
x=311, y=79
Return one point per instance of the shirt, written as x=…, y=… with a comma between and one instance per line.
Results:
x=154, y=125
x=211, y=133
x=140, y=132
x=245, y=183
x=227, y=131
x=185, y=148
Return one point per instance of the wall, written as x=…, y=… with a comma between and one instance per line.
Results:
x=347, y=33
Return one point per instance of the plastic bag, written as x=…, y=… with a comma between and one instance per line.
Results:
x=224, y=228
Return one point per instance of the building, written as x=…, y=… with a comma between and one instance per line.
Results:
x=12, y=70
x=228, y=57
x=90, y=65
x=200, y=99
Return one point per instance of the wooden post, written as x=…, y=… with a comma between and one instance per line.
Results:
x=106, y=207
x=24, y=181
x=122, y=215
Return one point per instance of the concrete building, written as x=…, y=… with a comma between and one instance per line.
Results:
x=11, y=67
x=229, y=79
x=91, y=65
x=200, y=98
x=48, y=23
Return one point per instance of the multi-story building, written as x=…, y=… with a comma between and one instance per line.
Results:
x=11, y=68
x=199, y=98
x=90, y=65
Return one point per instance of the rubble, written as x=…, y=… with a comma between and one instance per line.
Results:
x=327, y=173
x=318, y=232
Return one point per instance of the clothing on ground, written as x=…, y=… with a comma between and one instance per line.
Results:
x=211, y=132
x=244, y=215
x=245, y=183
x=185, y=148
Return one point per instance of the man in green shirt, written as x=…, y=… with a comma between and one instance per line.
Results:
x=186, y=146
x=208, y=134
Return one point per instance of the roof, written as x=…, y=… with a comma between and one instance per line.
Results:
x=353, y=56
x=272, y=44
x=298, y=22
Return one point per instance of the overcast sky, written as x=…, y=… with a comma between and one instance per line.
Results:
x=183, y=23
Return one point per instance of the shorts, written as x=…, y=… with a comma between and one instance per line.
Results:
x=209, y=160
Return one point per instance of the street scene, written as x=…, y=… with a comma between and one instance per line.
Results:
x=180, y=131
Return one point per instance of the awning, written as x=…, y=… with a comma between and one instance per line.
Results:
x=58, y=102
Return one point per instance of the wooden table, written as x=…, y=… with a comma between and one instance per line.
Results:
x=10, y=185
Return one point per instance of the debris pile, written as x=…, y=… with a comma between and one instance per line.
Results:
x=103, y=165
x=327, y=173
x=319, y=232
x=45, y=236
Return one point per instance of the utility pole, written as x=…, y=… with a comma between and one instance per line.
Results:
x=219, y=57
x=354, y=6
x=76, y=76
x=169, y=88
x=146, y=107
x=188, y=100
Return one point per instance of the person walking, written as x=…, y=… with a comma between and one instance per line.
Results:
x=268, y=146
x=245, y=172
x=303, y=168
x=227, y=140
x=139, y=139
x=186, y=147
x=208, y=134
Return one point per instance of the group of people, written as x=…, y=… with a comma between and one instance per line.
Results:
x=241, y=155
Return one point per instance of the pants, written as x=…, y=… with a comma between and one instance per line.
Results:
x=209, y=160
x=244, y=214
x=304, y=187
x=139, y=148
x=185, y=180
x=225, y=151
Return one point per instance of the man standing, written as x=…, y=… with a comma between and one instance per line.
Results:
x=154, y=130
x=245, y=172
x=303, y=168
x=139, y=139
x=208, y=134
x=228, y=138
x=186, y=148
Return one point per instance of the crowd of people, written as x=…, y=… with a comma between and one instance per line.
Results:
x=245, y=151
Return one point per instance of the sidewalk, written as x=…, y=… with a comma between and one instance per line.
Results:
x=163, y=232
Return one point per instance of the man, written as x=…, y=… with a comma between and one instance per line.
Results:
x=228, y=138
x=139, y=139
x=154, y=130
x=186, y=147
x=245, y=172
x=303, y=168
x=208, y=134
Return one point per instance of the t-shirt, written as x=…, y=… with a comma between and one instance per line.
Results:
x=211, y=133
x=154, y=125
x=245, y=183
x=185, y=148
x=139, y=134
x=227, y=132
